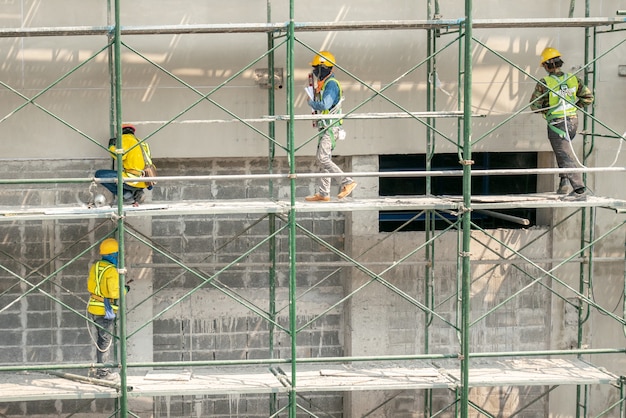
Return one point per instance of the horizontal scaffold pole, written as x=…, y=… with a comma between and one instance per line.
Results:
x=422, y=173
x=311, y=26
x=375, y=115
x=322, y=360
x=308, y=117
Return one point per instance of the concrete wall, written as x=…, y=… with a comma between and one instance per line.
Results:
x=209, y=325
x=177, y=323
x=205, y=62
x=381, y=322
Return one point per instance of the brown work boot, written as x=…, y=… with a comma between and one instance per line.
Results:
x=317, y=198
x=346, y=190
x=563, y=186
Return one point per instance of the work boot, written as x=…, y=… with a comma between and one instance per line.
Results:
x=317, y=198
x=110, y=376
x=128, y=197
x=563, y=186
x=577, y=195
x=346, y=190
x=139, y=196
x=106, y=374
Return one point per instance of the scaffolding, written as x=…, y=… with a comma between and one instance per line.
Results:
x=294, y=376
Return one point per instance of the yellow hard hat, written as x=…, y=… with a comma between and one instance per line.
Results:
x=109, y=246
x=324, y=58
x=548, y=54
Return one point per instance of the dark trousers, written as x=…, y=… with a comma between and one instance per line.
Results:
x=565, y=158
x=112, y=187
x=104, y=329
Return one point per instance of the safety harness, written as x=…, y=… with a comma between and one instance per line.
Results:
x=561, y=100
x=335, y=109
x=97, y=299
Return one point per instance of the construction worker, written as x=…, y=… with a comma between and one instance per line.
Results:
x=327, y=99
x=558, y=97
x=103, y=285
x=134, y=162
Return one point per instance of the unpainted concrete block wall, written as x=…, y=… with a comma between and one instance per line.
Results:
x=198, y=314
x=43, y=282
x=383, y=319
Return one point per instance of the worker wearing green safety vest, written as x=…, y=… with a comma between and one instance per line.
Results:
x=558, y=97
x=327, y=100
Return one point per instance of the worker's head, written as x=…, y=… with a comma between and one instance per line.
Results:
x=322, y=64
x=128, y=129
x=109, y=246
x=551, y=59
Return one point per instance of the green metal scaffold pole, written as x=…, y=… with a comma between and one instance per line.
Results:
x=271, y=106
x=120, y=211
x=292, y=210
x=466, y=220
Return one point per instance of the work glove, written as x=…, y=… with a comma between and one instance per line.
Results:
x=108, y=309
x=127, y=287
x=112, y=142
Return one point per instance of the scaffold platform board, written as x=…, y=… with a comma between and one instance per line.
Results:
x=416, y=375
x=263, y=206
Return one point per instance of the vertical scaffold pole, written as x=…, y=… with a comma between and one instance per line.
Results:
x=110, y=51
x=120, y=219
x=429, y=224
x=467, y=183
x=271, y=107
x=292, y=210
x=586, y=232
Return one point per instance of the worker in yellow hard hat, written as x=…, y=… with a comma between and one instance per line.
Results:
x=558, y=96
x=135, y=158
x=103, y=286
x=327, y=99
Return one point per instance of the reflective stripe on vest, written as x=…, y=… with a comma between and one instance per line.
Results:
x=334, y=109
x=561, y=95
x=97, y=299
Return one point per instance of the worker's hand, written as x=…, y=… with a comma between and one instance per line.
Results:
x=127, y=287
x=112, y=142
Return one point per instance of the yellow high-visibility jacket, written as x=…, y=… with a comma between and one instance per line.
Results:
x=103, y=282
x=132, y=159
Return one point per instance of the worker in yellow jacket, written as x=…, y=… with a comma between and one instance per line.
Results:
x=104, y=287
x=135, y=157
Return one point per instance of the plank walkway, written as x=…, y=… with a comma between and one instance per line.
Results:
x=262, y=206
x=416, y=375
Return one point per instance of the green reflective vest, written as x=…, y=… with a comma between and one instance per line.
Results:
x=561, y=96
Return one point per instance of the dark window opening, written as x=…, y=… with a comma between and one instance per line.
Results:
x=453, y=185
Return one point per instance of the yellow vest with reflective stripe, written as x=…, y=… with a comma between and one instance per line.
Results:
x=329, y=122
x=561, y=96
x=103, y=283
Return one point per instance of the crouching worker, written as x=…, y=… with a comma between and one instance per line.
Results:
x=135, y=159
x=103, y=284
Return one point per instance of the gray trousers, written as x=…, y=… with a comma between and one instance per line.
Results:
x=562, y=150
x=325, y=161
x=103, y=340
